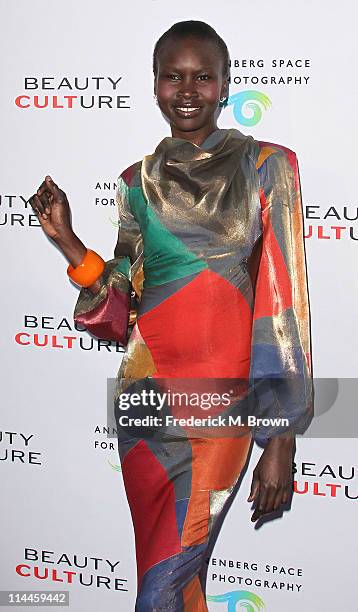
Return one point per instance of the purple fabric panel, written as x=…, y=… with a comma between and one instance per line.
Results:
x=108, y=320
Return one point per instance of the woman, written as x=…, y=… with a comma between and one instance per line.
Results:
x=208, y=283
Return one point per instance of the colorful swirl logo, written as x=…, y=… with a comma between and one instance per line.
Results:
x=253, y=101
x=239, y=599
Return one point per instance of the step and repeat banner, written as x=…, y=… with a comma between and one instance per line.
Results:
x=77, y=103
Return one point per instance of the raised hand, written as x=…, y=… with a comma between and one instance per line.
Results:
x=51, y=206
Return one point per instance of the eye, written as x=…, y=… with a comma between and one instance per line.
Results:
x=173, y=77
x=204, y=77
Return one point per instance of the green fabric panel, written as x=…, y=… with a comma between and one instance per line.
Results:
x=166, y=257
x=123, y=266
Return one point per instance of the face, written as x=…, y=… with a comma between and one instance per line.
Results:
x=189, y=84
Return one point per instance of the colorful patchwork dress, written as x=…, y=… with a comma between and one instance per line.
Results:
x=208, y=283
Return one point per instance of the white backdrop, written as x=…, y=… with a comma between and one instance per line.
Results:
x=61, y=491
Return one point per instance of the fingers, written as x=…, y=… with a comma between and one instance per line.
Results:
x=255, y=487
x=51, y=186
x=48, y=187
x=260, y=503
x=45, y=201
x=269, y=500
x=38, y=206
x=42, y=187
x=256, y=515
x=41, y=201
x=287, y=494
x=279, y=499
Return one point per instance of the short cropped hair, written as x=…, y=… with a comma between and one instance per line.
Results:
x=198, y=29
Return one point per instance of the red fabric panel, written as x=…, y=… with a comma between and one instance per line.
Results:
x=152, y=505
x=202, y=330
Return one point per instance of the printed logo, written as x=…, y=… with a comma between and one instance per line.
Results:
x=47, y=333
x=72, y=569
x=68, y=93
x=325, y=480
x=105, y=442
x=16, y=448
x=239, y=599
x=250, y=100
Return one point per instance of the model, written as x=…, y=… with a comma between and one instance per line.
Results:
x=207, y=285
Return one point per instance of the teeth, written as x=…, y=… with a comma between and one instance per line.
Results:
x=188, y=110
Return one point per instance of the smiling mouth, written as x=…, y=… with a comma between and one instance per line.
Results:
x=187, y=111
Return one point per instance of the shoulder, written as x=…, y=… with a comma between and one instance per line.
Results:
x=277, y=165
x=270, y=153
x=278, y=172
x=131, y=175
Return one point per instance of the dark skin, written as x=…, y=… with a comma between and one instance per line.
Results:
x=189, y=84
x=190, y=72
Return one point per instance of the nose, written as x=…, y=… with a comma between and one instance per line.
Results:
x=187, y=89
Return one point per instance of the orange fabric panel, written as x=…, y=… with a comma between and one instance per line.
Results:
x=193, y=597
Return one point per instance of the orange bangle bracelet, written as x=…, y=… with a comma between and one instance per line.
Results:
x=88, y=271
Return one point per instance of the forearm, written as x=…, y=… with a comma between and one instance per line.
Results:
x=74, y=250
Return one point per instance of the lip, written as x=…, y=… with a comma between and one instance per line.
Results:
x=187, y=111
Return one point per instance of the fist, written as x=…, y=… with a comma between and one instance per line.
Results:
x=51, y=206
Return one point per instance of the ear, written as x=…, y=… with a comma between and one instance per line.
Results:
x=225, y=89
x=155, y=84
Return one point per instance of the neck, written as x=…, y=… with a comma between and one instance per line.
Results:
x=197, y=137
